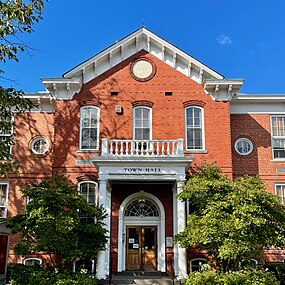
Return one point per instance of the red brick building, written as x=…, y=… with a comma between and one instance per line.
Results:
x=127, y=125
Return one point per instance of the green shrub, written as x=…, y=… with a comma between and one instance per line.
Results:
x=278, y=269
x=247, y=276
x=19, y=274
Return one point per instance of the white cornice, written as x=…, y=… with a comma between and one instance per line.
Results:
x=223, y=90
x=142, y=39
x=62, y=88
x=260, y=97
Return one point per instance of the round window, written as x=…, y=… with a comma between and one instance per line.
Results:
x=40, y=146
x=243, y=146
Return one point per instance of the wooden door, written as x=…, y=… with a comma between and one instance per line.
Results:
x=141, y=248
x=133, y=248
x=149, y=248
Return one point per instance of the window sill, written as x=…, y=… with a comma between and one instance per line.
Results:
x=88, y=150
x=198, y=151
x=278, y=160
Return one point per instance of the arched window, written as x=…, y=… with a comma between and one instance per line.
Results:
x=32, y=261
x=141, y=208
x=194, y=125
x=88, y=190
x=196, y=264
x=142, y=123
x=89, y=128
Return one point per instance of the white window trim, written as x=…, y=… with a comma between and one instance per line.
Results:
x=32, y=258
x=250, y=143
x=271, y=136
x=74, y=266
x=10, y=135
x=203, y=129
x=275, y=191
x=6, y=199
x=98, y=129
x=34, y=140
x=96, y=189
x=195, y=259
x=150, y=118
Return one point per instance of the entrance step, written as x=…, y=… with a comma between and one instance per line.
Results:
x=142, y=278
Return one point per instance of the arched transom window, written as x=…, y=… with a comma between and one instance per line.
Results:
x=141, y=208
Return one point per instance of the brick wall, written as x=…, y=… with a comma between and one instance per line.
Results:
x=255, y=127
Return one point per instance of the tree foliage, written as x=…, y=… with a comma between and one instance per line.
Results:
x=233, y=220
x=57, y=221
x=17, y=17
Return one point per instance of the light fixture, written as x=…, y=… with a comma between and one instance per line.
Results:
x=141, y=200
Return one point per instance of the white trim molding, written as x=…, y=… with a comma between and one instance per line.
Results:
x=138, y=221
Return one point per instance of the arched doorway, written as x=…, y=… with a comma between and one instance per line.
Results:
x=141, y=233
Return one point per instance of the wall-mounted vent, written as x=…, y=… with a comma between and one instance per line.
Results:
x=168, y=93
x=114, y=93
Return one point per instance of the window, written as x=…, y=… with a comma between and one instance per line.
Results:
x=88, y=190
x=89, y=128
x=6, y=132
x=243, y=146
x=3, y=199
x=278, y=136
x=84, y=266
x=280, y=192
x=194, y=128
x=32, y=261
x=39, y=146
x=142, y=123
x=196, y=264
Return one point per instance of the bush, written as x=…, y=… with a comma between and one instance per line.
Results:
x=19, y=274
x=278, y=269
x=247, y=276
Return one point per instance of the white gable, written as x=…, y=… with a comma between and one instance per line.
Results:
x=214, y=83
x=142, y=39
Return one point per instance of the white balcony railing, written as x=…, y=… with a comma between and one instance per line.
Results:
x=114, y=147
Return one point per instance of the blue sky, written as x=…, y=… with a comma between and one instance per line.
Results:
x=239, y=39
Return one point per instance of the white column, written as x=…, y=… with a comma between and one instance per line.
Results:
x=175, y=247
x=181, y=222
x=101, y=262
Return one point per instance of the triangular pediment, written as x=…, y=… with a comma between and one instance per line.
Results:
x=71, y=82
x=142, y=39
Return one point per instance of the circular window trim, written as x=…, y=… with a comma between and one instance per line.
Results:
x=246, y=140
x=146, y=78
x=35, y=140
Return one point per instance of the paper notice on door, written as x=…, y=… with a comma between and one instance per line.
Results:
x=135, y=245
x=131, y=240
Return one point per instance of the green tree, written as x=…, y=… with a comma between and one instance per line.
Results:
x=233, y=220
x=16, y=18
x=58, y=222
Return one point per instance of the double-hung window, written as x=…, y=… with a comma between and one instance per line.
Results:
x=6, y=131
x=278, y=136
x=3, y=199
x=142, y=123
x=280, y=192
x=88, y=190
x=89, y=128
x=194, y=122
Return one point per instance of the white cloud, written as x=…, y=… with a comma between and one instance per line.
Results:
x=224, y=40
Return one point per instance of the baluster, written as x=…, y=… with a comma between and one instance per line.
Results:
x=162, y=148
x=151, y=148
x=168, y=149
x=127, y=148
x=111, y=147
x=116, y=148
x=157, y=148
x=173, y=148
